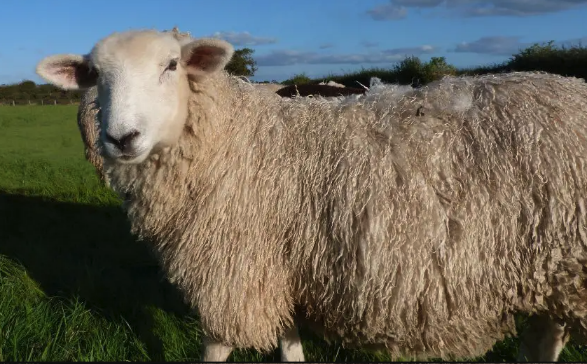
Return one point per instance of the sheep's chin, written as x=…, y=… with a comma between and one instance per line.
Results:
x=134, y=159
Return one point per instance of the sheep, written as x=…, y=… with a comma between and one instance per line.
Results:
x=422, y=235
x=89, y=127
x=315, y=90
x=271, y=87
x=332, y=83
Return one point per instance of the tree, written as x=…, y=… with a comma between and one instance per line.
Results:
x=298, y=79
x=27, y=85
x=242, y=63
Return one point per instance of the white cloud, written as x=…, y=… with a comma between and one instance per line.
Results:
x=398, y=9
x=505, y=45
x=389, y=11
x=290, y=57
x=494, y=45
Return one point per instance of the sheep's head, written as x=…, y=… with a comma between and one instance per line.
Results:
x=142, y=79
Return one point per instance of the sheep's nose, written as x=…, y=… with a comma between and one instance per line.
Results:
x=125, y=141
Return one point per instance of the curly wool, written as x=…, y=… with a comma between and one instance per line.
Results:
x=423, y=234
x=89, y=127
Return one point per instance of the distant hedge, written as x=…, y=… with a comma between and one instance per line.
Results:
x=566, y=61
x=27, y=92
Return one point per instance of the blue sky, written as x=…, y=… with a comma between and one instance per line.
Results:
x=317, y=37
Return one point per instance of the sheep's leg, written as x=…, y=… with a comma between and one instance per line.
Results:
x=291, y=346
x=215, y=351
x=543, y=340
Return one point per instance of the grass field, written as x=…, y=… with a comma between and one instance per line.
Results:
x=74, y=285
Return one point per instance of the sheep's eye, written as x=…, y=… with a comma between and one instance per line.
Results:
x=172, y=65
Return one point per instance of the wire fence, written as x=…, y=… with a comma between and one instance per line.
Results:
x=45, y=102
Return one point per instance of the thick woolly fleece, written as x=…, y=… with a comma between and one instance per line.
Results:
x=424, y=234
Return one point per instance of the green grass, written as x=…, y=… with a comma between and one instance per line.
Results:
x=75, y=285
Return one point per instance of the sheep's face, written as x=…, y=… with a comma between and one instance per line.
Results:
x=142, y=79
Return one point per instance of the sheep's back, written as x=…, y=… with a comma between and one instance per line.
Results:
x=452, y=226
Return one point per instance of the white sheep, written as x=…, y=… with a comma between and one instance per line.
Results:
x=332, y=83
x=423, y=235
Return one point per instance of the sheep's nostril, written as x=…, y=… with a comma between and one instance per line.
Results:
x=111, y=139
x=125, y=141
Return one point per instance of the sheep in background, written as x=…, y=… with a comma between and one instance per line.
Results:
x=379, y=228
x=318, y=90
x=270, y=87
x=332, y=83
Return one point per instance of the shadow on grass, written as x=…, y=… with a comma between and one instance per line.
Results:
x=87, y=251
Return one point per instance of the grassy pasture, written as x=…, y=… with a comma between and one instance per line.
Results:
x=75, y=285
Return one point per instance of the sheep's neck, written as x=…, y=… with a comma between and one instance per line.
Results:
x=167, y=176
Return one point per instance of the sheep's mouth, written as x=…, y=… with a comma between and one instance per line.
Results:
x=121, y=157
x=130, y=158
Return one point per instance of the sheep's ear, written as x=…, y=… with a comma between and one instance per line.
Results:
x=68, y=71
x=205, y=56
